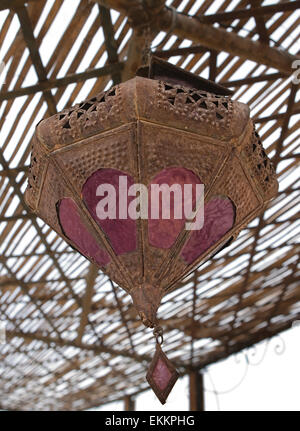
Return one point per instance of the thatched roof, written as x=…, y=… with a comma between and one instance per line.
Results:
x=74, y=339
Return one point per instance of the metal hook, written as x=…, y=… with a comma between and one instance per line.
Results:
x=158, y=334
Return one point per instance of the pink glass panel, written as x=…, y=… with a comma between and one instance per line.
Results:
x=121, y=232
x=219, y=217
x=161, y=375
x=74, y=229
x=162, y=233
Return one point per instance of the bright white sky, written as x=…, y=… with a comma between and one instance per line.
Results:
x=272, y=384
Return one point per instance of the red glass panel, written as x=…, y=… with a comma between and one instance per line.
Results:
x=75, y=230
x=219, y=214
x=162, y=233
x=121, y=232
x=161, y=374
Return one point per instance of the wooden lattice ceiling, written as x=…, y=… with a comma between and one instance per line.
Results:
x=74, y=339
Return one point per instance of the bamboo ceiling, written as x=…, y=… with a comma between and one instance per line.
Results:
x=73, y=338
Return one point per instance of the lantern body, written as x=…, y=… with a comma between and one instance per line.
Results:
x=150, y=131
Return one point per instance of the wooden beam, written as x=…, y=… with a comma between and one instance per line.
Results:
x=14, y=171
x=110, y=42
x=221, y=40
x=218, y=39
x=40, y=282
x=262, y=30
x=275, y=117
x=196, y=391
x=122, y=314
x=35, y=55
x=285, y=125
x=291, y=156
x=142, y=36
x=125, y=6
x=260, y=24
x=63, y=82
x=87, y=300
x=120, y=5
x=96, y=348
x=194, y=49
x=16, y=217
x=129, y=404
x=213, y=71
x=135, y=54
x=253, y=80
x=12, y=4
x=251, y=12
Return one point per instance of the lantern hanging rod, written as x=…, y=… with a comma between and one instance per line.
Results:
x=164, y=18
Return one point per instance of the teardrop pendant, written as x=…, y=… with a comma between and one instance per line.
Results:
x=162, y=375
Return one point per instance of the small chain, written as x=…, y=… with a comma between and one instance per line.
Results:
x=158, y=334
x=147, y=48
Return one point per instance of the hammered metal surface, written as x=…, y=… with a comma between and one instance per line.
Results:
x=142, y=127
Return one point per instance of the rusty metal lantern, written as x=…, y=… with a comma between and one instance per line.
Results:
x=164, y=124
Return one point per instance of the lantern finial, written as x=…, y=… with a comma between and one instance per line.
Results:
x=146, y=299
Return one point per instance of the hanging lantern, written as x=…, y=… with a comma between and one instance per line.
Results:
x=166, y=127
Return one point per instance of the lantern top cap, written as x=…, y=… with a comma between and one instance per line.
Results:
x=167, y=96
x=159, y=69
x=180, y=102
